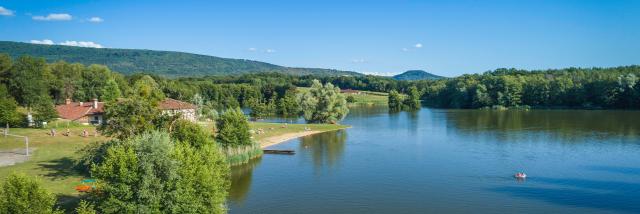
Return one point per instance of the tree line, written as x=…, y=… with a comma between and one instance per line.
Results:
x=610, y=88
x=154, y=162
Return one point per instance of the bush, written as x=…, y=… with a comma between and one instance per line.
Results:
x=85, y=207
x=351, y=99
x=21, y=194
x=151, y=173
x=233, y=129
x=192, y=133
x=129, y=118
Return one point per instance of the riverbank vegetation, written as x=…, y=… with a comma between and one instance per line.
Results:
x=399, y=102
x=565, y=88
x=323, y=104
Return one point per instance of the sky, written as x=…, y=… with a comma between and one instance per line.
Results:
x=447, y=38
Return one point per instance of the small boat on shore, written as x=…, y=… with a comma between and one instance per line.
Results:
x=520, y=175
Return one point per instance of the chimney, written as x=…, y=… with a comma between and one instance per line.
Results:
x=95, y=103
x=67, y=101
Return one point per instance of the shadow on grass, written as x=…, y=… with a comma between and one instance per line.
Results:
x=68, y=203
x=60, y=168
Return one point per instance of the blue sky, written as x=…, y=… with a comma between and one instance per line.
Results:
x=382, y=37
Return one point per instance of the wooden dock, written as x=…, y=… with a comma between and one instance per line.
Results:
x=278, y=152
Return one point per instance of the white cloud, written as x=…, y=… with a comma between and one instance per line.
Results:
x=270, y=51
x=5, y=12
x=54, y=17
x=82, y=44
x=95, y=19
x=405, y=49
x=377, y=73
x=252, y=49
x=358, y=61
x=418, y=45
x=68, y=43
x=42, y=42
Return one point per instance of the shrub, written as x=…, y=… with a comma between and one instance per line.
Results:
x=233, y=129
x=151, y=173
x=21, y=194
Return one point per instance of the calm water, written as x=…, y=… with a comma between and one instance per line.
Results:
x=453, y=161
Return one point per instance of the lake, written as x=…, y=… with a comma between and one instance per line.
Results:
x=452, y=161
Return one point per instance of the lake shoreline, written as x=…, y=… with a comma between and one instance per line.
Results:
x=274, y=140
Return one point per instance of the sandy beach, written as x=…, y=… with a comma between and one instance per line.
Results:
x=270, y=141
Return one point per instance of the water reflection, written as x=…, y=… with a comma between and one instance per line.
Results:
x=571, y=125
x=326, y=149
x=241, y=176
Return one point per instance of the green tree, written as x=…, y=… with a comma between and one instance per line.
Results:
x=136, y=176
x=111, y=91
x=288, y=105
x=44, y=111
x=5, y=65
x=186, y=131
x=323, y=104
x=85, y=207
x=21, y=194
x=9, y=114
x=481, y=97
x=28, y=81
x=68, y=81
x=129, y=118
x=395, y=101
x=233, y=129
x=413, y=100
x=147, y=88
x=204, y=179
x=153, y=174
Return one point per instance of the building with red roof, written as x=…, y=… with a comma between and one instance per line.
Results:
x=172, y=107
x=93, y=112
x=82, y=112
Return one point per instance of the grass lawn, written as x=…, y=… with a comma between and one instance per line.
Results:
x=275, y=129
x=364, y=98
x=369, y=98
x=52, y=158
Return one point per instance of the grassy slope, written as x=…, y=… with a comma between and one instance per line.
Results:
x=364, y=98
x=53, y=157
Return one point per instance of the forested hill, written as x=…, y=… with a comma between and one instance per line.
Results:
x=164, y=63
x=417, y=75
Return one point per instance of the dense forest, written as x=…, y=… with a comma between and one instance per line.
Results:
x=36, y=85
x=162, y=63
x=615, y=88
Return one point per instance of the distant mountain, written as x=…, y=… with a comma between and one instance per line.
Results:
x=164, y=63
x=417, y=75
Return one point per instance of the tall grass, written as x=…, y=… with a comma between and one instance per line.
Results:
x=237, y=155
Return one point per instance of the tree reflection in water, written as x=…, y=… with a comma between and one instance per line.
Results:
x=571, y=125
x=326, y=149
x=241, y=176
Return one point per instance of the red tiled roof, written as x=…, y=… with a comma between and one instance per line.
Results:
x=74, y=110
x=171, y=104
